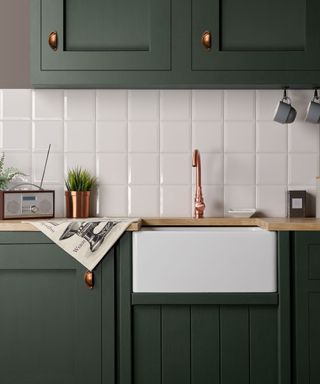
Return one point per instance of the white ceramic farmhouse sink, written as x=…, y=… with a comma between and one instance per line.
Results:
x=214, y=259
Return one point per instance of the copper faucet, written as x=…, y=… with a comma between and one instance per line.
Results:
x=199, y=205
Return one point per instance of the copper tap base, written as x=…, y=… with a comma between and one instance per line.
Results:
x=198, y=215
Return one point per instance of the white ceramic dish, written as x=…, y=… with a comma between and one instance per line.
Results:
x=241, y=213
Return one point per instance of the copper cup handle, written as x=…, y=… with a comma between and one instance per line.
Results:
x=88, y=279
x=206, y=39
x=53, y=40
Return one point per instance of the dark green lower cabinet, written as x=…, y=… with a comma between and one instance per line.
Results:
x=307, y=307
x=53, y=328
x=234, y=338
x=205, y=344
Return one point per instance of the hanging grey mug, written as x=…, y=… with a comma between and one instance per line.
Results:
x=313, y=111
x=285, y=113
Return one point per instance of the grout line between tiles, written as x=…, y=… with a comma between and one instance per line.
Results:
x=223, y=153
x=161, y=207
x=255, y=149
x=191, y=151
x=129, y=203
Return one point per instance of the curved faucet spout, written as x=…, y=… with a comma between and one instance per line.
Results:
x=199, y=205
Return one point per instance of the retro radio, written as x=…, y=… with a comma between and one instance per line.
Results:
x=27, y=203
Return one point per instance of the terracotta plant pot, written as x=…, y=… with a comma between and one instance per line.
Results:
x=77, y=204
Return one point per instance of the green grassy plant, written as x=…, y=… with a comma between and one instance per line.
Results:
x=79, y=179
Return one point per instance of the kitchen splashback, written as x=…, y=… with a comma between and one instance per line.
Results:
x=139, y=145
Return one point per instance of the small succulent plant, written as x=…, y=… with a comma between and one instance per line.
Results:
x=79, y=179
x=7, y=174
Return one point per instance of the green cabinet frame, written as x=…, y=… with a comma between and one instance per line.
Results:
x=307, y=306
x=212, y=338
x=253, y=35
x=53, y=328
x=168, y=53
x=146, y=22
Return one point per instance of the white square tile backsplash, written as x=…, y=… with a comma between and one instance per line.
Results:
x=12, y=98
x=207, y=105
x=112, y=105
x=16, y=135
x=239, y=105
x=175, y=105
x=79, y=105
x=271, y=137
x=143, y=136
x=139, y=145
x=239, y=136
x=47, y=104
x=79, y=136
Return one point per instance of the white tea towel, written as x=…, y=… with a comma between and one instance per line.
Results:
x=86, y=240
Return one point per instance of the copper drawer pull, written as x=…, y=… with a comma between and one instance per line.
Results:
x=53, y=40
x=88, y=278
x=206, y=40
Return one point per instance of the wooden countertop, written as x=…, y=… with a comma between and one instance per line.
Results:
x=22, y=226
x=270, y=224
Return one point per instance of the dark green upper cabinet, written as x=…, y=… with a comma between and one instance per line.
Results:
x=157, y=44
x=102, y=35
x=251, y=35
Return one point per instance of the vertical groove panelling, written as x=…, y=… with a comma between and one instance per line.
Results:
x=108, y=318
x=263, y=345
x=234, y=345
x=314, y=332
x=175, y=345
x=205, y=344
x=205, y=360
x=147, y=344
x=124, y=273
x=285, y=313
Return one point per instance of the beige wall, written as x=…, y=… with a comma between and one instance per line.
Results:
x=14, y=44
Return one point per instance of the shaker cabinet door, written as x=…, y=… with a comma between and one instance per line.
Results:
x=50, y=322
x=102, y=35
x=307, y=307
x=205, y=344
x=255, y=35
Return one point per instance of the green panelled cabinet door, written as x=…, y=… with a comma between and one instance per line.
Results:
x=205, y=344
x=50, y=321
x=255, y=35
x=104, y=35
x=307, y=307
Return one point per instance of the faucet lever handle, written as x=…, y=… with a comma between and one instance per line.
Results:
x=195, y=155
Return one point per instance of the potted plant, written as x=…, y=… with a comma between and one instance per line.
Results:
x=79, y=184
x=7, y=174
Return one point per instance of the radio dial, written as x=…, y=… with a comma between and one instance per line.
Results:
x=34, y=209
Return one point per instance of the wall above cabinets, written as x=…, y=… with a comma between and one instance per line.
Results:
x=175, y=44
x=14, y=44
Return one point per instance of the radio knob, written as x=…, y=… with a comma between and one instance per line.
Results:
x=34, y=209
